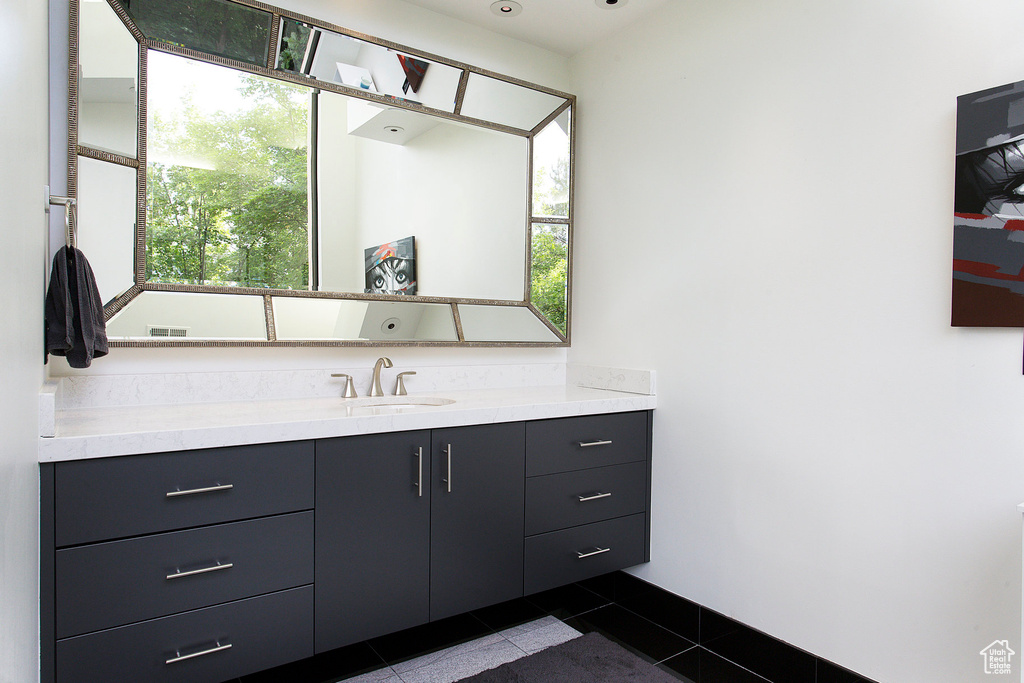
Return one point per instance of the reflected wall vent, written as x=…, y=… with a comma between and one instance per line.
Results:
x=166, y=331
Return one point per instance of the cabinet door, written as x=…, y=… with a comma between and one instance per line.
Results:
x=372, y=536
x=478, y=479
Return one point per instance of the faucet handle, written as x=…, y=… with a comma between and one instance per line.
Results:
x=350, y=390
x=400, y=386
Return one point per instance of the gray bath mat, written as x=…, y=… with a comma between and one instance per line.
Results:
x=591, y=658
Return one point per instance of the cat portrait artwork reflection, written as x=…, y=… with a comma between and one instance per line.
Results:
x=391, y=267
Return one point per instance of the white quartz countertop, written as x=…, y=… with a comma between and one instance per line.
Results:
x=83, y=433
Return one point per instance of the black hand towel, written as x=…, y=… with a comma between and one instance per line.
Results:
x=73, y=310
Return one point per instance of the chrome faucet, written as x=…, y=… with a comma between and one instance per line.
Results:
x=375, y=389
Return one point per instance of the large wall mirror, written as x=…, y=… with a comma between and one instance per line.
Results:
x=249, y=176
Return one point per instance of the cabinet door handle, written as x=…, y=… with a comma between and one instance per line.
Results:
x=178, y=657
x=600, y=442
x=595, y=551
x=448, y=476
x=584, y=499
x=419, y=468
x=206, y=489
x=178, y=574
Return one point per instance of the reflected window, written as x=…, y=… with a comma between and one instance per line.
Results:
x=216, y=27
x=295, y=48
x=551, y=168
x=227, y=185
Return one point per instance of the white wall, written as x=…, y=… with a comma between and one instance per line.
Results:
x=341, y=263
x=417, y=28
x=771, y=231
x=23, y=138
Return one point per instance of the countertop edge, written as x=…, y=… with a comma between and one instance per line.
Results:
x=254, y=426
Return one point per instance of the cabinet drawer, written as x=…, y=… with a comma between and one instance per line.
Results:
x=575, y=443
x=557, y=501
x=118, y=497
x=119, y=582
x=554, y=559
x=210, y=645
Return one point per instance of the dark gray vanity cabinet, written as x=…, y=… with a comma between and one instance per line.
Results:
x=587, y=497
x=194, y=566
x=416, y=526
x=476, y=524
x=203, y=566
x=372, y=536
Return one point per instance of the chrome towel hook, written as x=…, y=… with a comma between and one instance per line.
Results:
x=70, y=217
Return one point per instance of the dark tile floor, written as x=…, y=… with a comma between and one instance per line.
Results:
x=692, y=643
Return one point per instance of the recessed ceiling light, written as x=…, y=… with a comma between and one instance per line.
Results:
x=508, y=8
x=610, y=4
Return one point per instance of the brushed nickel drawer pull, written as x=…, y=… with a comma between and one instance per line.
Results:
x=181, y=658
x=419, y=476
x=584, y=499
x=205, y=570
x=588, y=444
x=595, y=551
x=448, y=477
x=207, y=489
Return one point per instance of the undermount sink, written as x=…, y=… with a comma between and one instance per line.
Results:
x=398, y=402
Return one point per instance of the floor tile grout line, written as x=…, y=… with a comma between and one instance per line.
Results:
x=677, y=654
x=485, y=624
x=591, y=609
x=603, y=597
x=379, y=655
x=662, y=626
x=700, y=645
x=739, y=666
x=580, y=614
x=694, y=645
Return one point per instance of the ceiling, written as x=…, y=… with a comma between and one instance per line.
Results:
x=562, y=26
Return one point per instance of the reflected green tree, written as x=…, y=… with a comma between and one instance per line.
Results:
x=549, y=272
x=216, y=27
x=294, y=38
x=551, y=189
x=232, y=208
x=187, y=238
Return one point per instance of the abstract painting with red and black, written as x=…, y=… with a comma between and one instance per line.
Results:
x=988, y=223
